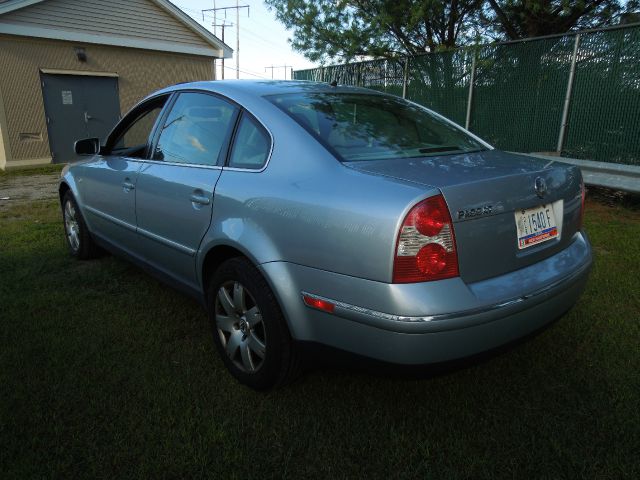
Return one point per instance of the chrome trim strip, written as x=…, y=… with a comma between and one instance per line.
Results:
x=111, y=219
x=169, y=243
x=179, y=164
x=417, y=324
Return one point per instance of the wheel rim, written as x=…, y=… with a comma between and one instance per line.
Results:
x=71, y=225
x=240, y=326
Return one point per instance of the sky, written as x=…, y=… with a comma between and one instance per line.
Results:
x=263, y=40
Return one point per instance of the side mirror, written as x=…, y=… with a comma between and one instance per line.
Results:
x=87, y=146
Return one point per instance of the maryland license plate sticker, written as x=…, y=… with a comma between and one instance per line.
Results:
x=535, y=225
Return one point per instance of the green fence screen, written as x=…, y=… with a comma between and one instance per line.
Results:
x=517, y=98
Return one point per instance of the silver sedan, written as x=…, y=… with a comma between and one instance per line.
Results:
x=303, y=213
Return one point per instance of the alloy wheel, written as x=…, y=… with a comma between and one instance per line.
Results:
x=240, y=326
x=71, y=226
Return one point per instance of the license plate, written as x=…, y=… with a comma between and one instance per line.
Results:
x=535, y=225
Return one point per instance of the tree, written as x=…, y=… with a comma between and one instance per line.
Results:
x=345, y=29
x=515, y=19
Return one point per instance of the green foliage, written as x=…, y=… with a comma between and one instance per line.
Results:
x=344, y=29
x=514, y=19
x=326, y=30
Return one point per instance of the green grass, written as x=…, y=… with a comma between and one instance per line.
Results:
x=106, y=373
x=35, y=170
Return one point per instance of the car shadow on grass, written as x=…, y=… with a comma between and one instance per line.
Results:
x=319, y=359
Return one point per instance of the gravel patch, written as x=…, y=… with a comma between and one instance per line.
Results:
x=21, y=189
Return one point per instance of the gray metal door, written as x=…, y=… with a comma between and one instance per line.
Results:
x=78, y=107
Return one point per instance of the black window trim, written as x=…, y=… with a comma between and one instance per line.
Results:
x=124, y=124
x=232, y=144
x=224, y=152
x=153, y=138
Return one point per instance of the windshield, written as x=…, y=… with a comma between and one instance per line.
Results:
x=357, y=127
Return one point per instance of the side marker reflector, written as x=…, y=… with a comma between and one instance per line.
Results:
x=318, y=304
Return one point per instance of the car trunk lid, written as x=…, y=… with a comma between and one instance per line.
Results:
x=483, y=191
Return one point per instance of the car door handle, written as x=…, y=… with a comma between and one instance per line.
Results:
x=200, y=199
x=128, y=186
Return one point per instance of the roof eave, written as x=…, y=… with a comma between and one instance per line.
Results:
x=223, y=50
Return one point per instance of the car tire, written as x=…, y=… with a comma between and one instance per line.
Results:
x=249, y=329
x=79, y=240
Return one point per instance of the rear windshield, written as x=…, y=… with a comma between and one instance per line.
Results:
x=357, y=127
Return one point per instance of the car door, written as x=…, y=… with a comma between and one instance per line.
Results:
x=107, y=184
x=175, y=187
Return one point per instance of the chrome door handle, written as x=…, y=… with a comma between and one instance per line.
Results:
x=200, y=199
x=128, y=186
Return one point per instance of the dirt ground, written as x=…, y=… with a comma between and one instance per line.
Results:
x=19, y=189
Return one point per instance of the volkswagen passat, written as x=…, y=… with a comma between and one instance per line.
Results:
x=303, y=212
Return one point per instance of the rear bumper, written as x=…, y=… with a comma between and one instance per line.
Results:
x=431, y=322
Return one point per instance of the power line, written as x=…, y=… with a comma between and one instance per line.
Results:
x=248, y=73
x=214, y=18
x=272, y=67
x=220, y=21
x=237, y=9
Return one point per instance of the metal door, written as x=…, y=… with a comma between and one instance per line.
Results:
x=78, y=107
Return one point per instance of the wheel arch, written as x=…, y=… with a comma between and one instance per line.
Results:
x=214, y=257
x=63, y=188
x=219, y=253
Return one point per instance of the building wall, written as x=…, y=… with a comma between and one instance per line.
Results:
x=130, y=18
x=4, y=139
x=21, y=59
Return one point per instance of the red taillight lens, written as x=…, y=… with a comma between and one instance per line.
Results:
x=429, y=221
x=432, y=259
x=426, y=248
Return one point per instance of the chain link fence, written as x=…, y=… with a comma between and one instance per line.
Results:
x=576, y=94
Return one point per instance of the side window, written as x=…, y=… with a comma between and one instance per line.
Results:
x=251, y=146
x=139, y=132
x=195, y=130
x=133, y=133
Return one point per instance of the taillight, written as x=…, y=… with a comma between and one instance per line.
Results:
x=583, y=193
x=426, y=247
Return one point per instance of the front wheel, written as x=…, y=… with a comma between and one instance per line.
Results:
x=249, y=329
x=79, y=240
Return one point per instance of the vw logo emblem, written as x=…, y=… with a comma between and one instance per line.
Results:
x=541, y=187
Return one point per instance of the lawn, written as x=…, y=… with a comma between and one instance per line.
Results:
x=107, y=373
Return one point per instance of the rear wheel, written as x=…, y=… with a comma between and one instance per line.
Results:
x=249, y=329
x=76, y=232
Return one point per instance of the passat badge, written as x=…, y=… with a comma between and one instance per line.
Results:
x=475, y=212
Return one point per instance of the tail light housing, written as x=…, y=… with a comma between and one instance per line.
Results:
x=426, y=246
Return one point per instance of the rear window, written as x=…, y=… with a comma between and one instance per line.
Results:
x=357, y=127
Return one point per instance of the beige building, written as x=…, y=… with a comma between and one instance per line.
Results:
x=70, y=68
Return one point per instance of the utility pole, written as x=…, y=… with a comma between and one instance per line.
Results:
x=237, y=8
x=272, y=67
x=223, y=25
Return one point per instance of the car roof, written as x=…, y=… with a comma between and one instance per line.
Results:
x=260, y=88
